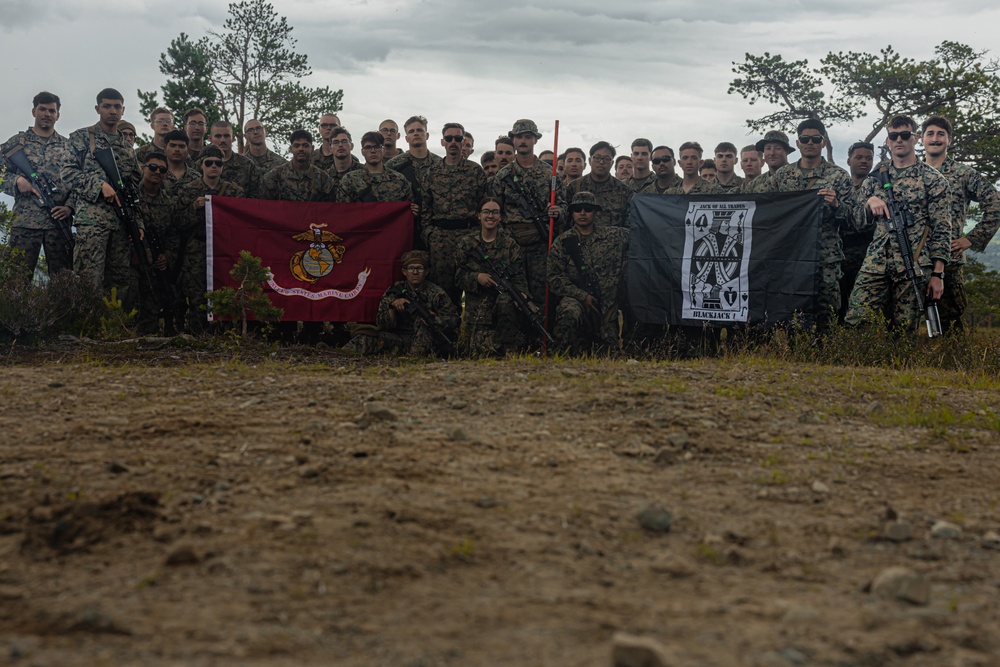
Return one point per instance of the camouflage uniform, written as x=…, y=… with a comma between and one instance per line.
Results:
x=882, y=280
x=194, y=153
x=337, y=177
x=286, y=183
x=763, y=183
x=491, y=319
x=636, y=184
x=402, y=334
x=654, y=189
x=612, y=195
x=102, y=250
x=266, y=162
x=146, y=149
x=189, y=247
x=701, y=187
x=967, y=185
x=794, y=178
x=190, y=174
x=34, y=226
x=324, y=162
x=536, y=181
x=451, y=198
x=157, y=216
x=855, y=243
x=358, y=186
x=603, y=251
x=242, y=172
x=734, y=186
x=415, y=170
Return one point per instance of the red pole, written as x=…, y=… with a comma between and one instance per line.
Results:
x=552, y=224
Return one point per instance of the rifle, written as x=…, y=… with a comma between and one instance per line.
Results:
x=587, y=282
x=900, y=218
x=43, y=186
x=416, y=307
x=501, y=274
x=529, y=209
x=128, y=197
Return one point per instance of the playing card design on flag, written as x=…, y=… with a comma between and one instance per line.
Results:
x=717, y=244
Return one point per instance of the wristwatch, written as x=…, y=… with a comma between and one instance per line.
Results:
x=937, y=274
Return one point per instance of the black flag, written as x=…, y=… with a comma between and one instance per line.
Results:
x=723, y=259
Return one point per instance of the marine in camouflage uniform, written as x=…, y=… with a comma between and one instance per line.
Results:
x=637, y=184
x=967, y=185
x=34, y=226
x=701, y=187
x=582, y=314
x=286, y=183
x=452, y=191
x=399, y=332
x=611, y=194
x=361, y=185
x=189, y=248
x=257, y=151
x=102, y=251
x=524, y=194
x=663, y=162
x=413, y=164
x=491, y=318
x=775, y=149
x=860, y=156
x=155, y=210
x=241, y=171
x=840, y=210
x=265, y=163
x=926, y=194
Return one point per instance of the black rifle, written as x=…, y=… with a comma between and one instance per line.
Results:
x=155, y=280
x=46, y=191
x=900, y=218
x=587, y=282
x=528, y=205
x=416, y=307
x=501, y=274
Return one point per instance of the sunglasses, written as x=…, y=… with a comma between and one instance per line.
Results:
x=661, y=160
x=905, y=135
x=211, y=162
x=811, y=139
x=451, y=138
x=582, y=207
x=157, y=169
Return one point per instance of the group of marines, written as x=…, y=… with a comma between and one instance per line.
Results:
x=475, y=220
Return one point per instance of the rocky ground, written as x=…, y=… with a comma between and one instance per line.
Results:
x=183, y=508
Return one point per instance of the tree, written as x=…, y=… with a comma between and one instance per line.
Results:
x=248, y=297
x=257, y=73
x=188, y=69
x=958, y=81
x=249, y=69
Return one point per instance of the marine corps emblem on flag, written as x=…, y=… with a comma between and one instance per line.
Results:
x=319, y=259
x=716, y=257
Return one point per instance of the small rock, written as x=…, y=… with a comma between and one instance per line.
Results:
x=487, y=502
x=183, y=555
x=665, y=457
x=946, y=530
x=632, y=362
x=456, y=404
x=458, y=435
x=902, y=583
x=632, y=651
x=117, y=467
x=794, y=656
x=309, y=472
x=56, y=385
x=379, y=412
x=676, y=567
x=656, y=519
x=302, y=517
x=678, y=439
x=898, y=531
x=820, y=487
x=991, y=540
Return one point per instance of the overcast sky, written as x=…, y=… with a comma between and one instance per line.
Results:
x=607, y=70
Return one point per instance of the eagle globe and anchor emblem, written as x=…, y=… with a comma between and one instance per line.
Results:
x=316, y=262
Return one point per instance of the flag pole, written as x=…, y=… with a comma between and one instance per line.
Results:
x=552, y=224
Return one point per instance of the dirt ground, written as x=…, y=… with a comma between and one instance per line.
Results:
x=184, y=508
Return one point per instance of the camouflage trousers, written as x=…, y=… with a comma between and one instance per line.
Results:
x=151, y=303
x=101, y=256
x=892, y=294
x=854, y=257
x=441, y=244
x=58, y=253
x=491, y=326
x=579, y=330
x=954, y=301
x=192, y=284
x=420, y=343
x=535, y=258
x=828, y=296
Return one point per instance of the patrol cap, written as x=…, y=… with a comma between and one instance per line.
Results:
x=524, y=125
x=415, y=257
x=776, y=137
x=584, y=199
x=125, y=125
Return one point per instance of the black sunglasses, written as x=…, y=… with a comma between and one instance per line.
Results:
x=589, y=208
x=661, y=160
x=905, y=135
x=211, y=162
x=451, y=138
x=811, y=138
x=155, y=168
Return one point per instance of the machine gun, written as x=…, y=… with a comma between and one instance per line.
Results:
x=900, y=218
x=128, y=201
x=537, y=215
x=417, y=308
x=501, y=274
x=43, y=186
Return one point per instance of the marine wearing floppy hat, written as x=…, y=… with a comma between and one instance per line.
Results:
x=775, y=149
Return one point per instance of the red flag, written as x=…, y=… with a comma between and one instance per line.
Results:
x=329, y=262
